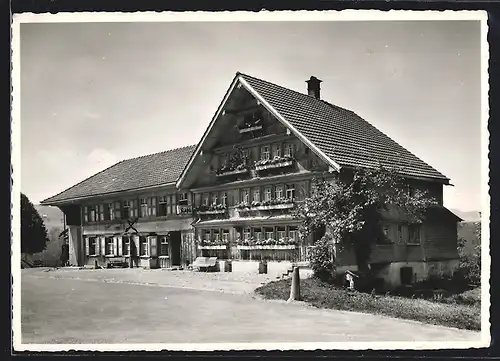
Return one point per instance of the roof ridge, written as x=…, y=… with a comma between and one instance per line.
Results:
x=160, y=152
x=83, y=180
x=114, y=165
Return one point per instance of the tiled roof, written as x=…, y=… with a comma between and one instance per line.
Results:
x=145, y=171
x=340, y=134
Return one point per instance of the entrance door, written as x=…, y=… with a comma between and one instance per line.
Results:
x=175, y=248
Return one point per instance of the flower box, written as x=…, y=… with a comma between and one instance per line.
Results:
x=215, y=211
x=271, y=247
x=232, y=172
x=267, y=207
x=251, y=129
x=283, y=164
x=213, y=247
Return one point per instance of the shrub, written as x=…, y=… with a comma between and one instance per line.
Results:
x=322, y=260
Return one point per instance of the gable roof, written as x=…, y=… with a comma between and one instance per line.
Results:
x=344, y=137
x=135, y=173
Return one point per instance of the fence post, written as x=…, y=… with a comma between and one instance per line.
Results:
x=295, y=287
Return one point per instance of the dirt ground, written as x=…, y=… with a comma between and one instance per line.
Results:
x=138, y=306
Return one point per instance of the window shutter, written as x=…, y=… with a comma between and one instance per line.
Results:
x=87, y=246
x=119, y=240
x=115, y=246
x=153, y=246
x=103, y=246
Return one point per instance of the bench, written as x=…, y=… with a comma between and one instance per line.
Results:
x=117, y=263
x=205, y=263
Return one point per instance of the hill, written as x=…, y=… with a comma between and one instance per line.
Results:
x=468, y=216
x=53, y=220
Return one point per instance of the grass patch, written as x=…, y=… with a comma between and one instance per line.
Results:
x=323, y=295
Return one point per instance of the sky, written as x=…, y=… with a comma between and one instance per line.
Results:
x=93, y=94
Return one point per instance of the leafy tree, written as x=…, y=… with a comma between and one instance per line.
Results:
x=33, y=232
x=322, y=259
x=470, y=259
x=352, y=209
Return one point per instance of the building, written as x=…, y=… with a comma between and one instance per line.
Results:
x=230, y=195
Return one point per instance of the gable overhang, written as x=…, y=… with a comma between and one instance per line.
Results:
x=195, y=154
x=74, y=200
x=239, y=81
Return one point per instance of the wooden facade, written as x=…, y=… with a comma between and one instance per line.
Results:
x=234, y=201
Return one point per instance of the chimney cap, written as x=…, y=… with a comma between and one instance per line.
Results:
x=313, y=79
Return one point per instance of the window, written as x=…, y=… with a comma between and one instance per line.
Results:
x=290, y=191
x=117, y=210
x=126, y=245
x=215, y=198
x=183, y=198
x=86, y=214
x=169, y=204
x=400, y=233
x=246, y=233
x=207, y=236
x=269, y=233
x=110, y=212
x=277, y=151
x=162, y=206
x=414, y=234
x=130, y=209
x=288, y=150
x=164, y=246
x=256, y=194
x=216, y=235
x=225, y=235
x=281, y=233
x=264, y=153
x=223, y=198
x=293, y=233
x=109, y=246
x=92, y=213
x=278, y=192
x=257, y=233
x=92, y=246
x=267, y=193
x=144, y=207
x=245, y=195
x=100, y=212
x=206, y=199
x=148, y=207
x=143, y=246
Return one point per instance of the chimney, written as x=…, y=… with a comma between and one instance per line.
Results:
x=313, y=87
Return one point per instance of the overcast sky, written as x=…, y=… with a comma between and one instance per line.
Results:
x=93, y=94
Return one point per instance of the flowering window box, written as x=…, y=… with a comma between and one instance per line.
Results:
x=215, y=211
x=273, y=206
x=273, y=163
x=250, y=129
x=213, y=247
x=270, y=247
x=232, y=172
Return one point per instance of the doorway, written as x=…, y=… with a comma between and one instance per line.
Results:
x=175, y=248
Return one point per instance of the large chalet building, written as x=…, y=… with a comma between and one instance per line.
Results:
x=231, y=195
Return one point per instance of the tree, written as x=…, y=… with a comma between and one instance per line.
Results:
x=470, y=257
x=33, y=232
x=352, y=210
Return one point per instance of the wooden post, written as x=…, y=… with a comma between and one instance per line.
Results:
x=295, y=287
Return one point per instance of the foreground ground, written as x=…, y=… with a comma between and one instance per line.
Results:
x=136, y=306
